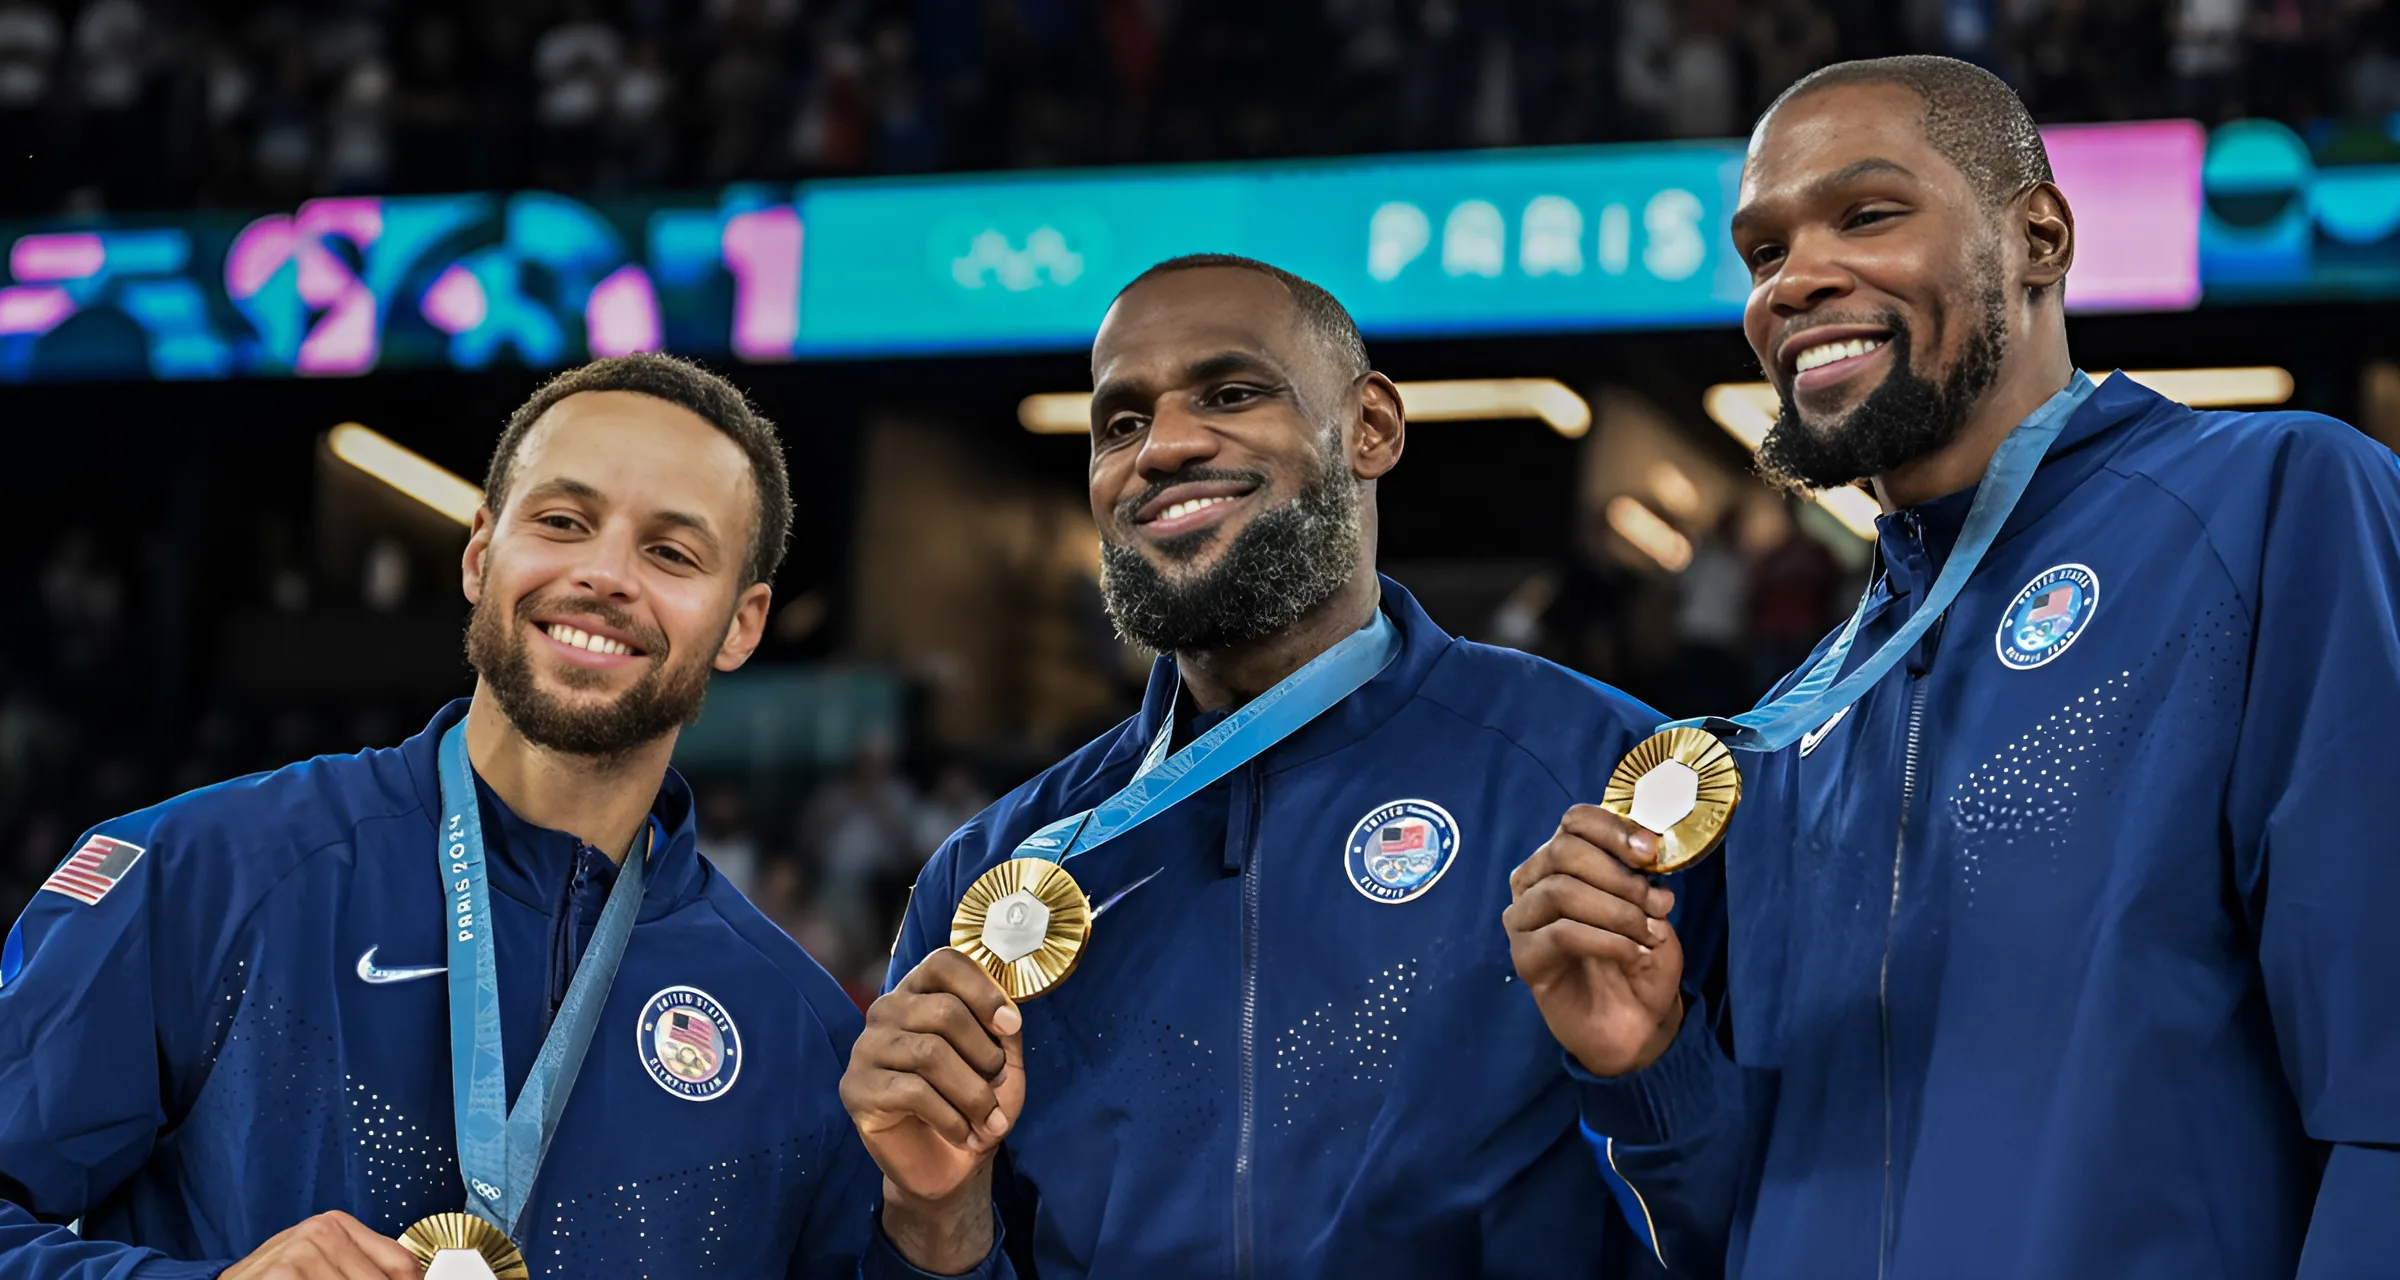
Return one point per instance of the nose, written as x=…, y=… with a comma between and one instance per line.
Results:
x=1176, y=439
x=608, y=569
x=1810, y=276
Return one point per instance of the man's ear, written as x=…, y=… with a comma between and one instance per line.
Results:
x=470, y=564
x=748, y=627
x=1382, y=428
x=2049, y=231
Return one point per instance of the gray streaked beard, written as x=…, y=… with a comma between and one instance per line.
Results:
x=1285, y=563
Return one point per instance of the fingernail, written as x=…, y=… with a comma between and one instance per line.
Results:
x=1639, y=947
x=1661, y=902
x=1658, y=932
x=1644, y=842
x=1008, y=1020
x=996, y=1123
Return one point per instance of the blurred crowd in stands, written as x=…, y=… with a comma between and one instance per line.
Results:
x=164, y=103
x=107, y=707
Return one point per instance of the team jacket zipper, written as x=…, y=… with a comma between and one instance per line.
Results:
x=1883, y=981
x=1246, y=1133
x=1891, y=923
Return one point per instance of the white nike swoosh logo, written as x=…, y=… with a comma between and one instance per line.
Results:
x=367, y=972
x=1810, y=739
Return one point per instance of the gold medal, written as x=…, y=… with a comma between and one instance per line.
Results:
x=461, y=1246
x=1681, y=784
x=1025, y=921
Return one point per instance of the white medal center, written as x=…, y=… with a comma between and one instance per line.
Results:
x=458, y=1264
x=1016, y=925
x=1666, y=795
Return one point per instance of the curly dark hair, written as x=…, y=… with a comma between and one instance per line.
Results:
x=686, y=385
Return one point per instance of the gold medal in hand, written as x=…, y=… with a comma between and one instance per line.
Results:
x=1682, y=785
x=1025, y=922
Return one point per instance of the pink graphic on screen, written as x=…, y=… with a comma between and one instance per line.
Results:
x=455, y=302
x=762, y=251
x=33, y=309
x=621, y=315
x=345, y=338
x=69, y=256
x=257, y=254
x=2135, y=190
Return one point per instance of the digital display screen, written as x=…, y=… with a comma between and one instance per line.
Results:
x=1553, y=239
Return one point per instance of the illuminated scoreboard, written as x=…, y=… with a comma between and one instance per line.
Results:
x=1525, y=241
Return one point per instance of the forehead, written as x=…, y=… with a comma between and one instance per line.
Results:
x=1816, y=138
x=1168, y=321
x=638, y=451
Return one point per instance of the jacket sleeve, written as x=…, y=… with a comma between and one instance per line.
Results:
x=924, y=929
x=2308, y=808
x=79, y=1077
x=1673, y=1139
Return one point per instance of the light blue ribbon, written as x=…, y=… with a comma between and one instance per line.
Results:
x=500, y=1149
x=1163, y=780
x=1823, y=690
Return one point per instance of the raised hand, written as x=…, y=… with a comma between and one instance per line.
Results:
x=330, y=1246
x=935, y=1082
x=1589, y=936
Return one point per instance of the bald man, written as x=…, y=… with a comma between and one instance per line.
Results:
x=2062, y=945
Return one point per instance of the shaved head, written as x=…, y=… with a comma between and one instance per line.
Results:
x=1971, y=117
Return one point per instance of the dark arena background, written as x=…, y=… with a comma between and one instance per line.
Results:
x=275, y=275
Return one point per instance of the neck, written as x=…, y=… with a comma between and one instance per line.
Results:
x=600, y=800
x=1222, y=679
x=2024, y=384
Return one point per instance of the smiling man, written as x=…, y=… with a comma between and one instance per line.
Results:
x=263, y=1028
x=2058, y=941
x=1293, y=1046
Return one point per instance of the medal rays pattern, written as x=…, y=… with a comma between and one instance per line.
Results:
x=1698, y=833
x=1068, y=929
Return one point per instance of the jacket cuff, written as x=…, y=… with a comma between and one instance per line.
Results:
x=882, y=1259
x=1691, y=1082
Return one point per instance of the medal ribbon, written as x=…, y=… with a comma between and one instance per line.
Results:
x=501, y=1149
x=1163, y=781
x=1805, y=705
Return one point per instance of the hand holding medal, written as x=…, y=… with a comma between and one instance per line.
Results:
x=1588, y=932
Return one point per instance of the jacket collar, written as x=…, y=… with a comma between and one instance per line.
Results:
x=533, y=864
x=1422, y=642
x=2090, y=438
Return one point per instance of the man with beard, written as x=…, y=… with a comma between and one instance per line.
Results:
x=263, y=1028
x=2058, y=940
x=1293, y=1046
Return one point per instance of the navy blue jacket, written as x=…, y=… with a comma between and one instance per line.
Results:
x=199, y=1060
x=1280, y=1058
x=2072, y=948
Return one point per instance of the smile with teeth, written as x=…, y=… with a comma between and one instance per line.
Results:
x=1188, y=506
x=585, y=640
x=1826, y=353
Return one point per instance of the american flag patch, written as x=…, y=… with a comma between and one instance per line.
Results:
x=94, y=870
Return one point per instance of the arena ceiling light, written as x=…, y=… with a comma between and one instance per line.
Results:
x=406, y=470
x=1747, y=409
x=1069, y=413
x=1649, y=533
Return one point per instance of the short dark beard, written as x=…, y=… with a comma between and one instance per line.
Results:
x=1905, y=418
x=665, y=699
x=1286, y=562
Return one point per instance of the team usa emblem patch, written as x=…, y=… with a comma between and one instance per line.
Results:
x=2047, y=615
x=1399, y=850
x=94, y=869
x=688, y=1044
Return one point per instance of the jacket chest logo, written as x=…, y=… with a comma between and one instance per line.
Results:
x=1400, y=849
x=2047, y=616
x=688, y=1044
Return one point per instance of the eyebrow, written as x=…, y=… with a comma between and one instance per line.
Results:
x=568, y=487
x=1818, y=188
x=1118, y=392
